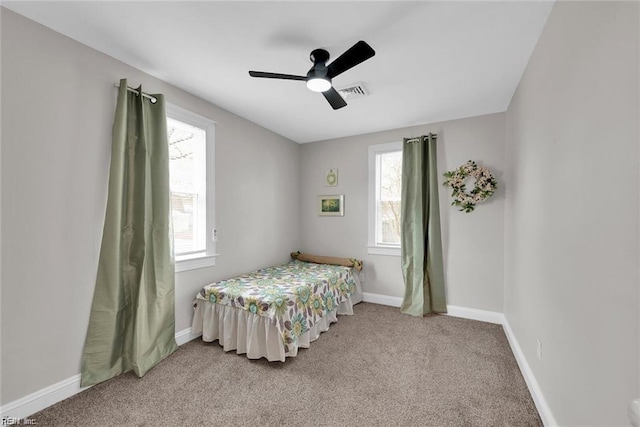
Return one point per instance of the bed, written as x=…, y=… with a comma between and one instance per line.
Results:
x=272, y=312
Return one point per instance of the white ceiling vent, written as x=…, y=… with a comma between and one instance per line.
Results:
x=356, y=91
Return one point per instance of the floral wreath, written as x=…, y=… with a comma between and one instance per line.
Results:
x=484, y=187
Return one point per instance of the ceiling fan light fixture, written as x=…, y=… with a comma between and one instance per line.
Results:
x=319, y=77
x=319, y=84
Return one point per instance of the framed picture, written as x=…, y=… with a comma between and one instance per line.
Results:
x=331, y=205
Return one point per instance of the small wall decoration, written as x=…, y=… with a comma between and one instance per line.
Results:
x=331, y=178
x=331, y=205
x=484, y=187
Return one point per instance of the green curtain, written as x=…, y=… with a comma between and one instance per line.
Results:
x=132, y=323
x=421, y=241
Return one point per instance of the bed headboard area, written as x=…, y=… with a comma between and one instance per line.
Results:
x=318, y=259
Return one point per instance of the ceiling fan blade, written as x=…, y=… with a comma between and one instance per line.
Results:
x=334, y=98
x=275, y=75
x=356, y=54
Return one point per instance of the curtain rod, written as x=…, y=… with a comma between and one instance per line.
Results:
x=137, y=92
x=435, y=135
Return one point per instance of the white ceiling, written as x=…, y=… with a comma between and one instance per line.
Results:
x=434, y=61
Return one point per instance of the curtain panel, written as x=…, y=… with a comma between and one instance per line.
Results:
x=132, y=321
x=421, y=241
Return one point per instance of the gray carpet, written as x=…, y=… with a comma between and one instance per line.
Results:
x=378, y=367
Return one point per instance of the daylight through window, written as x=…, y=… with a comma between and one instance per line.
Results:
x=187, y=165
x=385, y=185
x=388, y=197
x=191, y=162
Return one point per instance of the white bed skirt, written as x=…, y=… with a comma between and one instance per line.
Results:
x=255, y=335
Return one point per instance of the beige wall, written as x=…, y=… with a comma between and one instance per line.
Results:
x=58, y=102
x=571, y=228
x=472, y=243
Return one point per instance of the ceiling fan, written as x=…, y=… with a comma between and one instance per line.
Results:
x=319, y=76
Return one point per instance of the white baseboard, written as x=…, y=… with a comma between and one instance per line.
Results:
x=534, y=388
x=185, y=336
x=41, y=399
x=476, y=314
x=452, y=310
x=34, y=402
x=381, y=299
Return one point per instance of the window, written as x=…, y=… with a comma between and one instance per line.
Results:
x=385, y=182
x=191, y=162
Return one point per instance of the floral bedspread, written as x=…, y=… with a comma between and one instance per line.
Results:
x=294, y=295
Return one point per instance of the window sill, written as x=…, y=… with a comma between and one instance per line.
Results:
x=195, y=261
x=382, y=250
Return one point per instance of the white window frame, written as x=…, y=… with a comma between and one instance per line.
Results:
x=206, y=258
x=373, y=247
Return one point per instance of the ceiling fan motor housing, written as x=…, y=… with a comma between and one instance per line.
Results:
x=317, y=79
x=318, y=71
